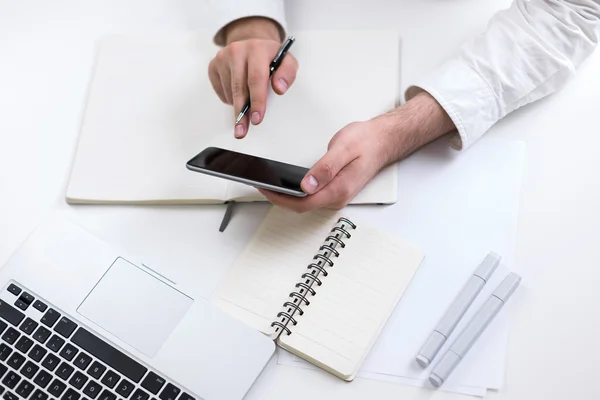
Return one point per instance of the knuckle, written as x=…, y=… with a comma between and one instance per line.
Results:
x=234, y=48
x=237, y=88
x=221, y=54
x=256, y=78
x=254, y=44
x=329, y=170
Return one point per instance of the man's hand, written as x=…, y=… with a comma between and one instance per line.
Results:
x=354, y=156
x=241, y=69
x=360, y=150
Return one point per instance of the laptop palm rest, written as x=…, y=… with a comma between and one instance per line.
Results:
x=135, y=306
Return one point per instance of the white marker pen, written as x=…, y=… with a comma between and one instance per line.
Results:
x=476, y=326
x=457, y=309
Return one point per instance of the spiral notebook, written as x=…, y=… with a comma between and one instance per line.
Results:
x=322, y=286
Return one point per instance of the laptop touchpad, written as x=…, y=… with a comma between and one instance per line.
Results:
x=135, y=306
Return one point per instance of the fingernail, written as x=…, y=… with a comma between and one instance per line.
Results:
x=311, y=184
x=255, y=118
x=282, y=85
x=239, y=131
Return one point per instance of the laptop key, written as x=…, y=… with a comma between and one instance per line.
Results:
x=2, y=389
x=107, y=395
x=82, y=361
x=10, y=314
x=92, y=389
x=24, y=344
x=186, y=396
x=42, y=379
x=14, y=289
x=153, y=383
x=124, y=388
x=42, y=334
x=139, y=394
x=71, y=394
x=3, y=369
x=29, y=369
x=55, y=343
x=96, y=370
x=37, y=353
x=11, y=336
x=28, y=326
x=50, y=362
x=110, y=379
x=40, y=306
x=3, y=326
x=39, y=395
x=108, y=354
x=65, y=327
x=68, y=352
x=64, y=371
x=27, y=298
x=10, y=396
x=24, y=389
x=11, y=379
x=78, y=380
x=170, y=392
x=56, y=388
x=21, y=304
x=4, y=351
x=50, y=317
x=15, y=360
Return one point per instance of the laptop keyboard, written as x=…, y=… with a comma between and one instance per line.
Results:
x=51, y=357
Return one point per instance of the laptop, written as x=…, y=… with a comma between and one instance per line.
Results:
x=80, y=320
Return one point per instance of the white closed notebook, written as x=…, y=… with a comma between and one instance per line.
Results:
x=320, y=285
x=151, y=108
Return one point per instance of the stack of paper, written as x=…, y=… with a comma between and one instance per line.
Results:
x=457, y=207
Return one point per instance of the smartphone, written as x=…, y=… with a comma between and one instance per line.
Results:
x=250, y=170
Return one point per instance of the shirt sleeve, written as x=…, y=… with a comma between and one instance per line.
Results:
x=227, y=11
x=527, y=52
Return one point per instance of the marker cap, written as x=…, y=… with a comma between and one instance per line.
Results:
x=488, y=266
x=507, y=287
x=431, y=347
x=441, y=371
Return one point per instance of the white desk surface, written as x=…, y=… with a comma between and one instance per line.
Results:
x=46, y=55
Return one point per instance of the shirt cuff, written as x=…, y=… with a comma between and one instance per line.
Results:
x=465, y=96
x=229, y=11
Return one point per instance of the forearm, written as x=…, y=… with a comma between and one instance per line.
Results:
x=411, y=126
x=252, y=28
x=226, y=13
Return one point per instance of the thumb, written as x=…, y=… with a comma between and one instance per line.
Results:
x=326, y=169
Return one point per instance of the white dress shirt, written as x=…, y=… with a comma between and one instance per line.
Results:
x=527, y=52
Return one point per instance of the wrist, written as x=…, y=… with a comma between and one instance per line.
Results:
x=252, y=28
x=412, y=125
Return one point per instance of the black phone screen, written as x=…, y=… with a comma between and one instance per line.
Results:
x=250, y=168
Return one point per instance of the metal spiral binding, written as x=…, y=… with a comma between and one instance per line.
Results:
x=321, y=262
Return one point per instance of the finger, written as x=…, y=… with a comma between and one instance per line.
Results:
x=225, y=76
x=215, y=81
x=327, y=168
x=285, y=75
x=303, y=204
x=258, y=84
x=239, y=91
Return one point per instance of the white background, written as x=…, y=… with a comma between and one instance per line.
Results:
x=46, y=56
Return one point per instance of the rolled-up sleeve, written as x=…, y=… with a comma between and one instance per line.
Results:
x=527, y=52
x=227, y=11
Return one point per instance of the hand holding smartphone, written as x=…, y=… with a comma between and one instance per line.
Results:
x=250, y=170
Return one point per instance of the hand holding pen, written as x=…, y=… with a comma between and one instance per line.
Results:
x=241, y=71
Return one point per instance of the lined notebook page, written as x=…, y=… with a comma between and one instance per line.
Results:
x=265, y=273
x=350, y=308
